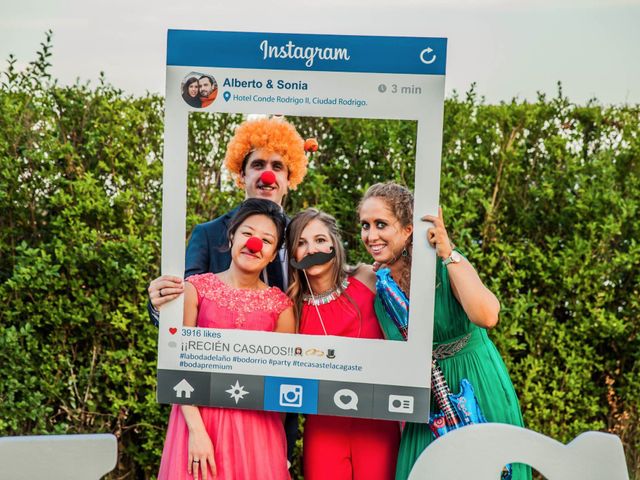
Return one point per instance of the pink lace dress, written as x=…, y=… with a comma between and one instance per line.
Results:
x=247, y=444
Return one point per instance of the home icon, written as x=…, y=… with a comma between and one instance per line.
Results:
x=183, y=388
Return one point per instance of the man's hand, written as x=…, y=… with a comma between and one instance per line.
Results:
x=164, y=289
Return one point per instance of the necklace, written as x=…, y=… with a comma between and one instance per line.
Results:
x=326, y=297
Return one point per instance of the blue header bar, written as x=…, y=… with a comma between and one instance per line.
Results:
x=292, y=51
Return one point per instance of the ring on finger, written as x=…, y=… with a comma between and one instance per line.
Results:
x=160, y=293
x=196, y=461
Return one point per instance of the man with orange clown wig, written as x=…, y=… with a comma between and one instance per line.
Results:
x=267, y=144
x=266, y=157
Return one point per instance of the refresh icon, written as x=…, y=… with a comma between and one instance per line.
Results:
x=426, y=56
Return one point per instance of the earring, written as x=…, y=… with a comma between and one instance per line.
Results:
x=405, y=252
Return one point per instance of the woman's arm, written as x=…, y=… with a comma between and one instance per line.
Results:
x=479, y=303
x=365, y=274
x=200, y=445
x=286, y=322
x=190, y=305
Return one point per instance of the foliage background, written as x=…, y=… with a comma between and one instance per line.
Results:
x=543, y=197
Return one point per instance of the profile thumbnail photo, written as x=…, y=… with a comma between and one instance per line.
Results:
x=199, y=90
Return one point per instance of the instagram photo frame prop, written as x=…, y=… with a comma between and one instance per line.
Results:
x=302, y=75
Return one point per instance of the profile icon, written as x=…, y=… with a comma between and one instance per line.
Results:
x=199, y=90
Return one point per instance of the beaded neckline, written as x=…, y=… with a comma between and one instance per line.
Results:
x=326, y=297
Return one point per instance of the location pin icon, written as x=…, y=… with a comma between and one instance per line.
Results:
x=226, y=96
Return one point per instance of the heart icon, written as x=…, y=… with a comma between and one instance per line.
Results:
x=173, y=330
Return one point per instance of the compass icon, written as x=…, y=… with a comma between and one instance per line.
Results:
x=237, y=392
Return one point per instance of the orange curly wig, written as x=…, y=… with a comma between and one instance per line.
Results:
x=274, y=135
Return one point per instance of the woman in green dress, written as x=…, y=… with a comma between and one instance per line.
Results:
x=464, y=310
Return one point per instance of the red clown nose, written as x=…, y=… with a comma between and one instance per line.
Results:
x=268, y=177
x=254, y=244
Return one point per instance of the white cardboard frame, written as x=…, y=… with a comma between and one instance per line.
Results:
x=359, y=360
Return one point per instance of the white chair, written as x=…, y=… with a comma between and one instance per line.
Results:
x=57, y=457
x=480, y=451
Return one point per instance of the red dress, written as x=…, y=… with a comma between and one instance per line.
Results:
x=341, y=448
x=247, y=444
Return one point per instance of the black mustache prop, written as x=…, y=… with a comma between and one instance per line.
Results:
x=319, y=258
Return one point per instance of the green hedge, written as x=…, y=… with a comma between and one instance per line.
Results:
x=543, y=197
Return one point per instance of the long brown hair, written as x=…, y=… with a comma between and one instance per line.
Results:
x=399, y=201
x=297, y=283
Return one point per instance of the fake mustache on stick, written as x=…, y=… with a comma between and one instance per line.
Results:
x=319, y=258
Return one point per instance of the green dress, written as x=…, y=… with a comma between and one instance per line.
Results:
x=479, y=362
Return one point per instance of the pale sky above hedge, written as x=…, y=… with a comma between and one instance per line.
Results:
x=510, y=48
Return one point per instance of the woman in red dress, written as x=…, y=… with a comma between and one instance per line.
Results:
x=331, y=298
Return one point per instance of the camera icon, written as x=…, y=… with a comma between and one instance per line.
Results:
x=401, y=404
x=290, y=395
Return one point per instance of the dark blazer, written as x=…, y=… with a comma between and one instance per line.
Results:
x=208, y=248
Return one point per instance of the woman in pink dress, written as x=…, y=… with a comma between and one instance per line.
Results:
x=221, y=443
x=332, y=299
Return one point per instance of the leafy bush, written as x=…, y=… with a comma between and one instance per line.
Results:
x=80, y=196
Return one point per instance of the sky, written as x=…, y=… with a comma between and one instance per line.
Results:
x=510, y=49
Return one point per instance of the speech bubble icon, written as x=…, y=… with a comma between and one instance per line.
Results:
x=346, y=399
x=226, y=96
